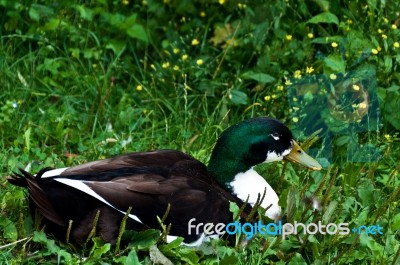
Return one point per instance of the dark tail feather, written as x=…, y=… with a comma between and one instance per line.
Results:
x=36, y=194
x=42, y=171
x=20, y=179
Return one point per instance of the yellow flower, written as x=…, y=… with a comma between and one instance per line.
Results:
x=280, y=88
x=362, y=105
x=384, y=36
x=309, y=70
x=267, y=98
x=199, y=62
x=288, y=83
x=332, y=76
x=165, y=65
x=394, y=26
x=349, y=21
x=274, y=96
x=334, y=44
x=379, y=48
x=125, y=2
x=295, y=119
x=139, y=88
x=241, y=6
x=310, y=35
x=380, y=31
x=152, y=66
x=221, y=2
x=185, y=57
x=387, y=136
x=396, y=44
x=176, y=68
x=356, y=87
x=195, y=42
x=385, y=20
x=374, y=51
x=203, y=14
x=176, y=50
x=295, y=99
x=289, y=37
x=297, y=74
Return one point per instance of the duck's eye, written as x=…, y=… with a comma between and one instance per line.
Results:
x=275, y=135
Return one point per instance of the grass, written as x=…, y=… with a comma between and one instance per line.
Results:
x=86, y=81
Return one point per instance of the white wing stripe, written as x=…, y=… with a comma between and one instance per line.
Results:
x=54, y=172
x=79, y=185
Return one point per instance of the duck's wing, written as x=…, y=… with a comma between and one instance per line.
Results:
x=185, y=188
x=149, y=183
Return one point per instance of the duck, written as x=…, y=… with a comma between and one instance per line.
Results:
x=148, y=183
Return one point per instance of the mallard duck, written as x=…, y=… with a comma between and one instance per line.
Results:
x=149, y=182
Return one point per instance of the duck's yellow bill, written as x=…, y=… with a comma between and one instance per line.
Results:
x=297, y=155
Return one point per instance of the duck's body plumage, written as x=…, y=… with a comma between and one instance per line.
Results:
x=146, y=181
x=152, y=182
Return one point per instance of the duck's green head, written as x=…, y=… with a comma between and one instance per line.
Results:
x=252, y=142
